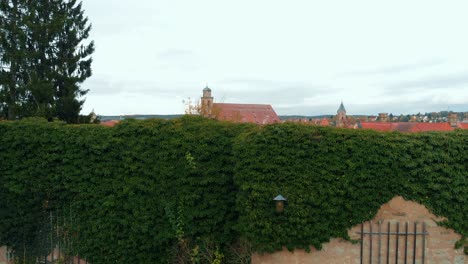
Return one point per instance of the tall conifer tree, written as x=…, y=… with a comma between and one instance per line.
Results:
x=13, y=52
x=57, y=59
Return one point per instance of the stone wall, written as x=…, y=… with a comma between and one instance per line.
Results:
x=439, y=243
x=3, y=255
x=55, y=255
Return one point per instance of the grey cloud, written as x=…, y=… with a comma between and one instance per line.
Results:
x=402, y=68
x=430, y=82
x=266, y=91
x=178, y=59
x=118, y=17
x=153, y=88
x=303, y=110
x=175, y=54
x=103, y=86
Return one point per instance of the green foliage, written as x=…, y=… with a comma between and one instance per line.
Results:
x=218, y=257
x=155, y=190
x=44, y=57
x=13, y=18
x=337, y=178
x=132, y=191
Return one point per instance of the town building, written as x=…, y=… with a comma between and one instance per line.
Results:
x=241, y=113
x=413, y=126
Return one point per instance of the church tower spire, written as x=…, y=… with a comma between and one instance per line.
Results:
x=206, y=102
x=341, y=109
x=341, y=116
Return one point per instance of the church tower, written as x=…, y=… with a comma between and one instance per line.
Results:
x=206, y=102
x=341, y=116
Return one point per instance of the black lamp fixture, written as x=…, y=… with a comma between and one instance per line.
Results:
x=279, y=200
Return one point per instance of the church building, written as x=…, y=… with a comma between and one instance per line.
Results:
x=341, y=116
x=241, y=113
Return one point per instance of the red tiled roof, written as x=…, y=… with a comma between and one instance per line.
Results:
x=324, y=122
x=377, y=126
x=245, y=113
x=407, y=127
x=404, y=127
x=110, y=123
x=462, y=125
x=422, y=127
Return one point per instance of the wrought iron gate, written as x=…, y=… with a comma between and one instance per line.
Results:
x=55, y=243
x=393, y=243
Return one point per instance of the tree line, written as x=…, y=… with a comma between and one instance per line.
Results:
x=45, y=56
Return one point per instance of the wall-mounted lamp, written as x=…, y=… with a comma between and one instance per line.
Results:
x=279, y=203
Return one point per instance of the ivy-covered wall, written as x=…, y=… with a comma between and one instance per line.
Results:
x=337, y=178
x=125, y=194
x=136, y=192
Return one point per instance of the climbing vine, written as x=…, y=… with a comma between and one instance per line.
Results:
x=337, y=178
x=192, y=188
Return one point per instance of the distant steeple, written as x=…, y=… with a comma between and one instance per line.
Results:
x=207, y=91
x=341, y=109
x=206, y=102
x=340, y=116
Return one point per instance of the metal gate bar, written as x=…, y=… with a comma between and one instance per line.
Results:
x=397, y=238
x=415, y=241
x=424, y=242
x=370, y=237
x=408, y=250
x=406, y=242
x=380, y=242
x=388, y=242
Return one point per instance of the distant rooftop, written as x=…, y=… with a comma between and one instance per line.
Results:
x=123, y=117
x=410, y=127
x=246, y=113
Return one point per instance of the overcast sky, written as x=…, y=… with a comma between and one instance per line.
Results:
x=300, y=56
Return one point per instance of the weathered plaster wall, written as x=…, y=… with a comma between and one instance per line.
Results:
x=3, y=255
x=439, y=247
x=53, y=255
